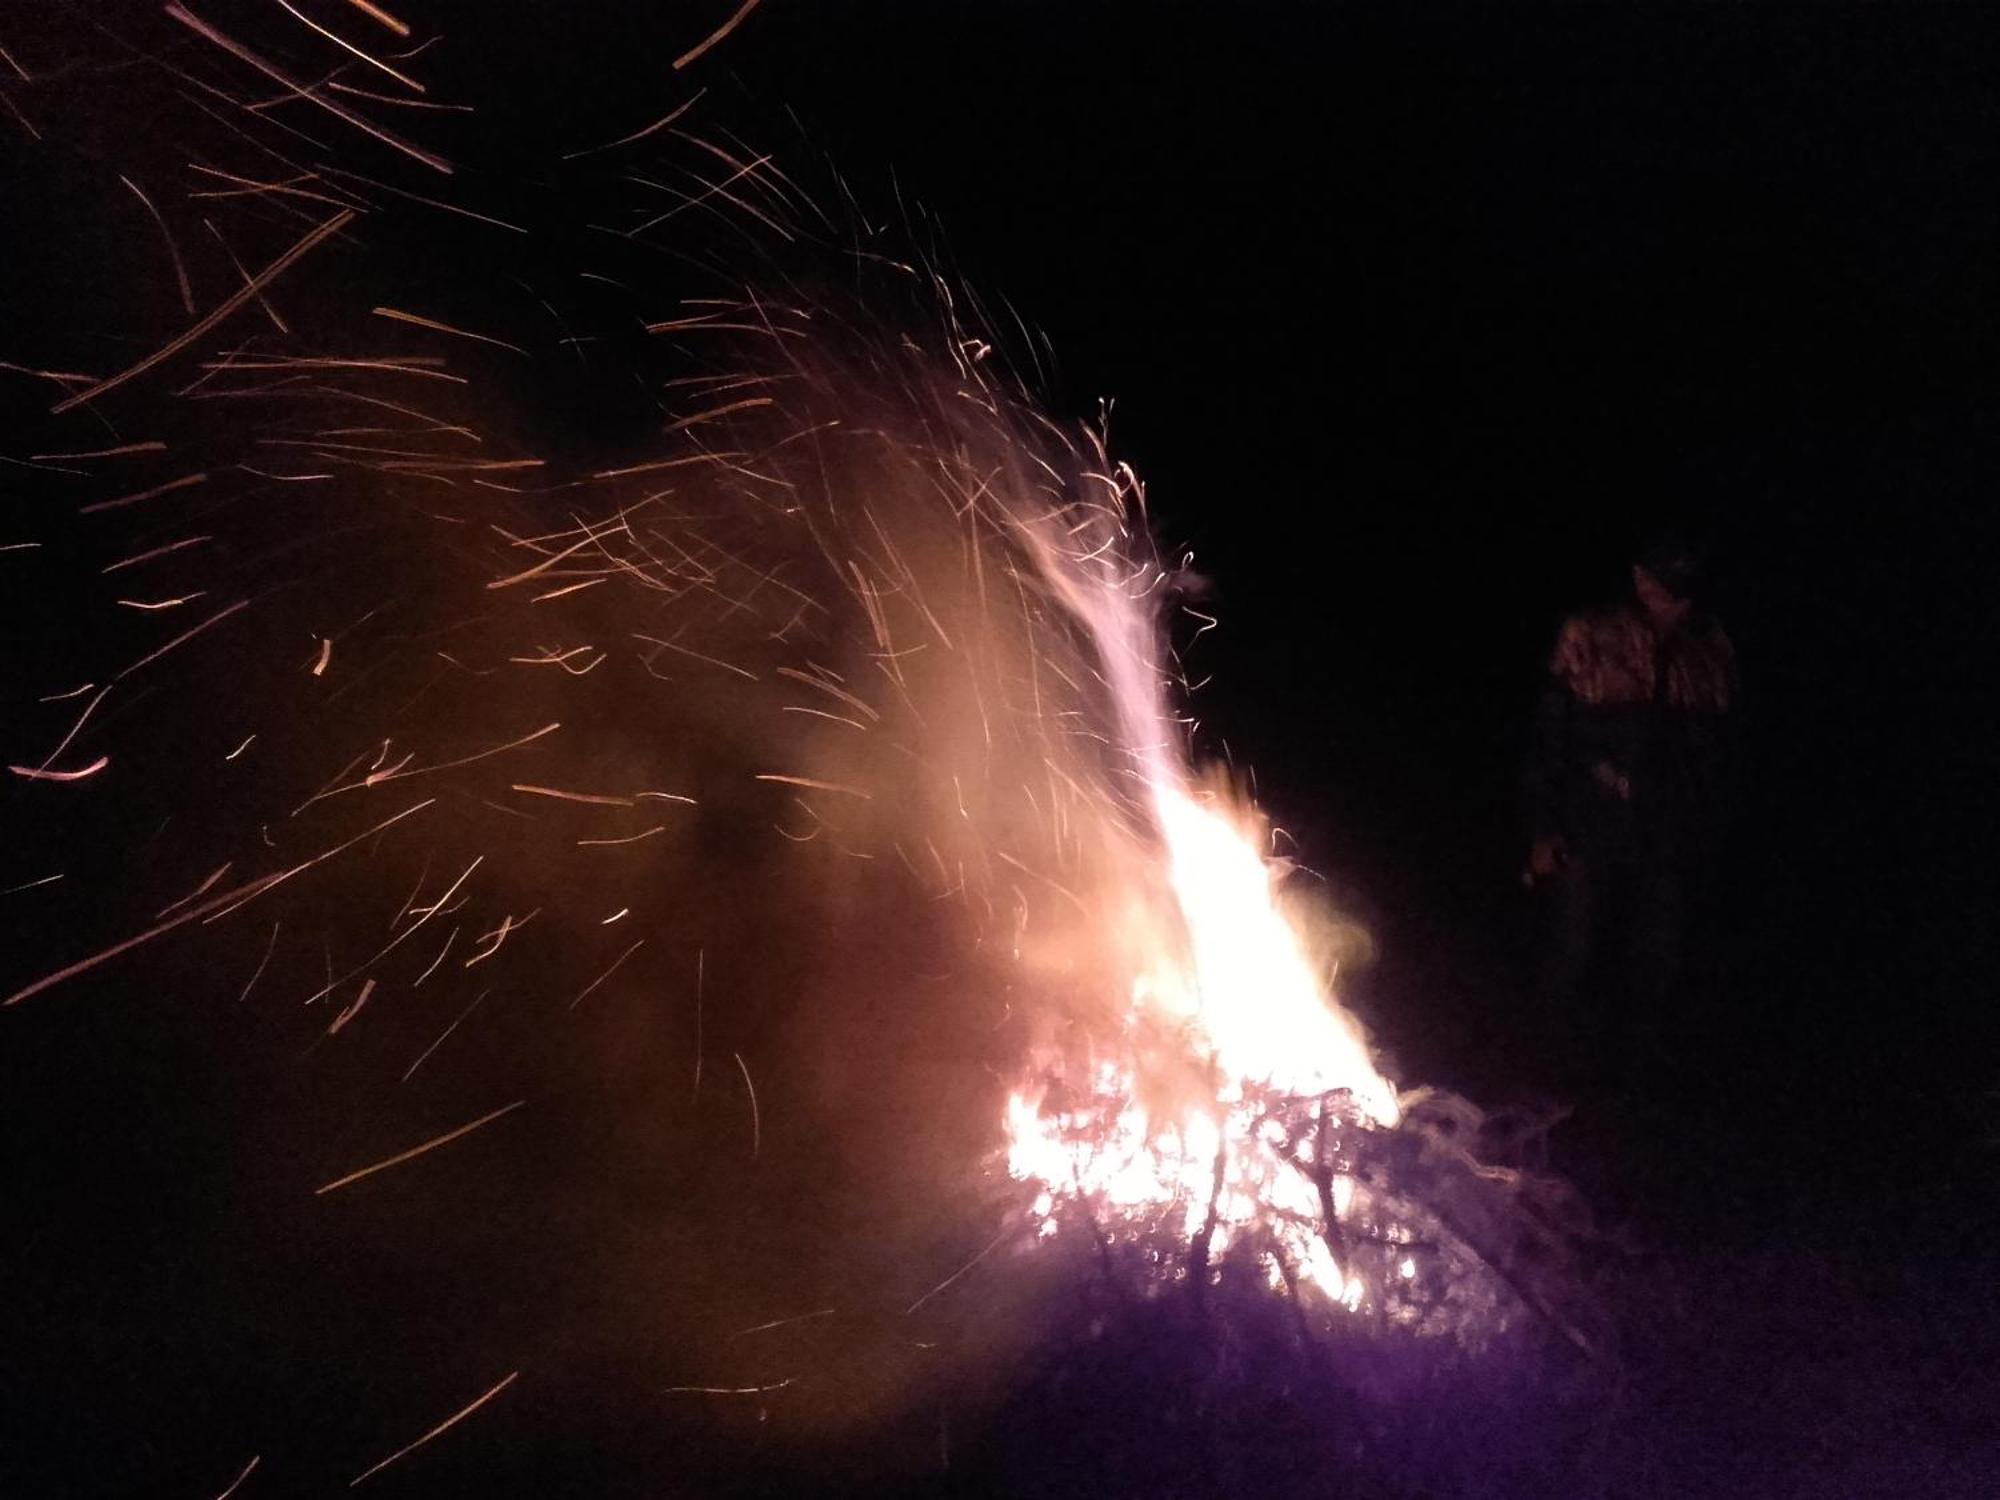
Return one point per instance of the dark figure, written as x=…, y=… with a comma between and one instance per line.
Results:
x=1626, y=794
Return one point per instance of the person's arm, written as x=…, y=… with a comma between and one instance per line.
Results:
x=1549, y=756
x=1730, y=739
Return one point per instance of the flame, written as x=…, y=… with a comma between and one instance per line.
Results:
x=1231, y=979
x=1250, y=987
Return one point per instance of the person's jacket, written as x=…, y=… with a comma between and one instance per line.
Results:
x=1630, y=744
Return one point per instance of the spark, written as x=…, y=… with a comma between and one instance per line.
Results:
x=684, y=651
x=238, y=1480
x=639, y=135
x=422, y=366
x=570, y=589
x=198, y=892
x=439, y=959
x=251, y=187
x=181, y=639
x=823, y=786
x=30, y=885
x=422, y=875
x=670, y=797
x=271, y=312
x=700, y=967
x=34, y=773
x=991, y=1245
x=696, y=200
x=591, y=797
x=220, y=905
x=756, y=1124
x=60, y=377
x=444, y=1426
x=448, y=1030
x=631, y=839
x=15, y=110
x=563, y=658
x=500, y=934
x=367, y=989
x=409, y=83
x=399, y=316
x=223, y=311
x=239, y=749
x=426, y=913
x=305, y=91
x=657, y=465
x=622, y=911
x=76, y=728
x=375, y=778
x=728, y=1390
x=827, y=687
x=820, y=713
x=715, y=36
x=439, y=204
x=173, y=250
x=158, y=604
x=607, y=973
x=282, y=478
x=415, y=1151
x=824, y=1312
x=121, y=451
x=184, y=482
x=260, y=887
x=589, y=539
x=325, y=655
x=22, y=547
x=145, y=557
x=748, y=403
x=269, y=949
x=399, y=101
x=376, y=13
x=343, y=394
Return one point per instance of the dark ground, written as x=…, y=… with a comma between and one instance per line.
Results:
x=1418, y=318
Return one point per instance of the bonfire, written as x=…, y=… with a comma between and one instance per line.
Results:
x=462, y=721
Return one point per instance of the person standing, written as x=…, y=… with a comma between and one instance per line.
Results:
x=1627, y=784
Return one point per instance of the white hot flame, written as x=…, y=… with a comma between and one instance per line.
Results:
x=1242, y=990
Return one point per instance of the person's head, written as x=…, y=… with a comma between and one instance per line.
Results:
x=1665, y=579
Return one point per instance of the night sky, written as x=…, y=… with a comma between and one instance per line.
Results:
x=1418, y=320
